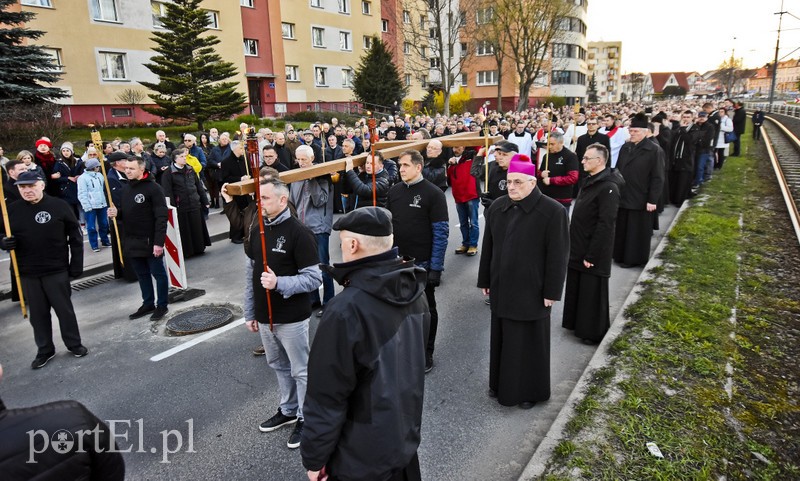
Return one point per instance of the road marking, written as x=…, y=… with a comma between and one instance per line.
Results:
x=186, y=345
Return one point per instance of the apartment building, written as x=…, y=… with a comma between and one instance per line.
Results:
x=603, y=61
x=568, y=77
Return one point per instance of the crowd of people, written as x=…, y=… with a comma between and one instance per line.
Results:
x=565, y=192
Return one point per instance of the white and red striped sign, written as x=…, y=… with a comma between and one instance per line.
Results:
x=173, y=251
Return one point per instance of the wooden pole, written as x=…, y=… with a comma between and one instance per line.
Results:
x=252, y=153
x=486, y=157
x=12, y=252
x=373, y=133
x=98, y=146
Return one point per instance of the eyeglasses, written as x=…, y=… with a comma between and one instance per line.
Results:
x=591, y=123
x=590, y=158
x=518, y=182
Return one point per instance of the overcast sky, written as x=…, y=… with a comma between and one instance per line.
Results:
x=689, y=35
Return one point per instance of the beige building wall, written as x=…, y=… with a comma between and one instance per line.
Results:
x=327, y=47
x=86, y=44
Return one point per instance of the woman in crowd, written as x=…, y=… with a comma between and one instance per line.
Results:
x=92, y=196
x=185, y=191
x=725, y=126
x=160, y=160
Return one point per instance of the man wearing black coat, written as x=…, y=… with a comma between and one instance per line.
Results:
x=235, y=168
x=48, y=243
x=366, y=369
x=359, y=186
x=143, y=210
x=592, y=136
x=435, y=168
x=758, y=121
x=739, y=126
x=680, y=159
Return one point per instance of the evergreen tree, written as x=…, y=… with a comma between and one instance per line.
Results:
x=376, y=81
x=191, y=75
x=24, y=68
x=592, y=90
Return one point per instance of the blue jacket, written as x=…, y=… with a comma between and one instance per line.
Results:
x=91, y=193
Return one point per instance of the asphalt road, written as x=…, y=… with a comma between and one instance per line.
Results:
x=215, y=393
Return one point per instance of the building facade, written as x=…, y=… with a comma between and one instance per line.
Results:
x=603, y=61
x=569, y=68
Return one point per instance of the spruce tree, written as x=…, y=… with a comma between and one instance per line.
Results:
x=376, y=81
x=24, y=68
x=592, y=91
x=191, y=75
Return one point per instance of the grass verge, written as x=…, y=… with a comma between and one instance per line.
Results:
x=725, y=297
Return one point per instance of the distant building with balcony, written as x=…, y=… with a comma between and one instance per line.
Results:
x=603, y=61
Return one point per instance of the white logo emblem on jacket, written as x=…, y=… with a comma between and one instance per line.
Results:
x=42, y=217
x=280, y=241
x=139, y=198
x=416, y=201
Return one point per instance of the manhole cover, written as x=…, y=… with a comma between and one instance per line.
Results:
x=198, y=320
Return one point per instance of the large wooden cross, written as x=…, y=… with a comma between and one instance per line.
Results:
x=389, y=149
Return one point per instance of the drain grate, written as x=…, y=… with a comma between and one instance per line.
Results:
x=199, y=319
x=94, y=281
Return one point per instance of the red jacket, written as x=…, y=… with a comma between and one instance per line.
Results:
x=465, y=186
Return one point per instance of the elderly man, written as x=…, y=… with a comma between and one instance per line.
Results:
x=49, y=246
x=502, y=152
x=435, y=169
x=363, y=409
x=313, y=199
x=559, y=171
x=235, y=168
x=359, y=185
x=591, y=237
x=522, y=269
x=643, y=171
x=161, y=136
x=421, y=226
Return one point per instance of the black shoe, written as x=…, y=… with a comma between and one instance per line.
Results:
x=143, y=311
x=319, y=312
x=294, y=438
x=316, y=305
x=627, y=266
x=492, y=393
x=276, y=421
x=159, y=313
x=428, y=363
x=526, y=405
x=41, y=360
x=79, y=351
x=259, y=351
x=237, y=241
x=487, y=301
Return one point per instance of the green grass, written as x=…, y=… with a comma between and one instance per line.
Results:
x=669, y=383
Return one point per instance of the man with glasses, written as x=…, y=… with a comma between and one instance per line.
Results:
x=522, y=269
x=190, y=143
x=560, y=173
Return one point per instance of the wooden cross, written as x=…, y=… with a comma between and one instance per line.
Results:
x=389, y=149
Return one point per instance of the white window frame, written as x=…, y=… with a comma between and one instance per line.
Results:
x=435, y=62
x=484, y=48
x=486, y=77
x=406, y=17
x=37, y=3
x=247, y=3
x=345, y=41
x=367, y=41
x=127, y=111
x=384, y=25
x=290, y=28
x=484, y=15
x=292, y=73
x=464, y=47
x=250, y=47
x=347, y=78
x=55, y=54
x=406, y=48
x=408, y=80
x=316, y=3
x=343, y=7
x=464, y=78
x=163, y=13
x=101, y=10
x=104, y=62
x=324, y=72
x=213, y=19
x=321, y=36
x=366, y=7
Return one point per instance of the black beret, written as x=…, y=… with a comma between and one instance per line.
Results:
x=639, y=121
x=118, y=155
x=371, y=221
x=506, y=146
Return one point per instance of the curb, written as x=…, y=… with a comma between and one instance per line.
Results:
x=538, y=463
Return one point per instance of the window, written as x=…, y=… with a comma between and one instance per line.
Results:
x=484, y=15
x=422, y=22
x=408, y=80
x=347, y=77
x=568, y=77
x=120, y=112
x=568, y=50
x=104, y=10
x=292, y=73
x=433, y=32
x=321, y=76
x=250, y=47
x=435, y=62
x=367, y=42
x=318, y=37
x=158, y=10
x=287, y=30
x=37, y=3
x=246, y=3
x=55, y=59
x=423, y=52
x=366, y=8
x=406, y=48
x=462, y=18
x=112, y=66
x=464, y=80
x=213, y=19
x=406, y=16
x=344, y=41
x=464, y=50
x=316, y=3
x=487, y=77
x=572, y=24
x=384, y=25
x=344, y=6
x=485, y=47
x=424, y=81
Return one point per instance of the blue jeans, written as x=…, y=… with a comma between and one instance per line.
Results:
x=287, y=349
x=151, y=266
x=468, y=218
x=702, y=160
x=323, y=241
x=99, y=217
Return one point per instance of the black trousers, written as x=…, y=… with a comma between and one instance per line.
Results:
x=42, y=294
x=410, y=473
x=430, y=294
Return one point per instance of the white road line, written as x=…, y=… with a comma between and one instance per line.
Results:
x=186, y=345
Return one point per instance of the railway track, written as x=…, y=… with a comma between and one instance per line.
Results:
x=783, y=148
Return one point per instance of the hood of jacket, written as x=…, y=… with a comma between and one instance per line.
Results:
x=606, y=174
x=385, y=276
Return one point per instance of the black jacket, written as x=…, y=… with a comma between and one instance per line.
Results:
x=643, y=170
x=706, y=140
x=233, y=168
x=591, y=230
x=435, y=170
x=366, y=371
x=739, y=121
x=361, y=186
x=143, y=211
x=681, y=150
x=586, y=140
x=184, y=188
x=69, y=417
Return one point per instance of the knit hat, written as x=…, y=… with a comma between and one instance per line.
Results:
x=45, y=141
x=92, y=164
x=639, y=121
x=521, y=164
x=68, y=146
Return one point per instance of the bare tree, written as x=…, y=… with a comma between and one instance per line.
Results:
x=531, y=29
x=637, y=81
x=432, y=32
x=131, y=97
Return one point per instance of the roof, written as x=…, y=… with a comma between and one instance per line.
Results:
x=660, y=80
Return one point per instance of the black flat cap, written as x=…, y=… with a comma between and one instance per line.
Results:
x=371, y=221
x=118, y=155
x=506, y=146
x=27, y=178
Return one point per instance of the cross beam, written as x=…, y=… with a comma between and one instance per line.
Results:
x=389, y=149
